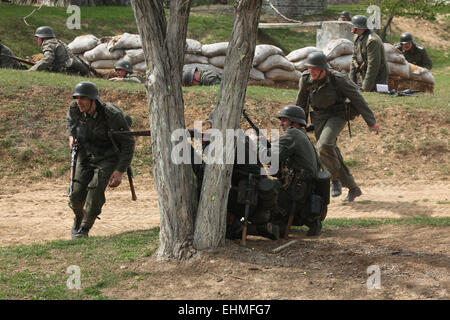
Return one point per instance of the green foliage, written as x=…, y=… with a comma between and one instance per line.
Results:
x=426, y=9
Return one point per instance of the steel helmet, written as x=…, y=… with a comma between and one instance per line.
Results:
x=124, y=65
x=44, y=32
x=317, y=59
x=359, y=22
x=345, y=14
x=86, y=89
x=406, y=37
x=293, y=113
x=188, y=76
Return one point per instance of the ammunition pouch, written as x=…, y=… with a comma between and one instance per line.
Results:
x=322, y=186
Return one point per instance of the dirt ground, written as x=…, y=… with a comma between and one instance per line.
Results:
x=412, y=262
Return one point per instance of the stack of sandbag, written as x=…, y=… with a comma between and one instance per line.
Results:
x=339, y=54
x=270, y=61
x=398, y=66
x=298, y=57
x=404, y=75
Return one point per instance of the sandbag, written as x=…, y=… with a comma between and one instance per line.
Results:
x=193, y=47
x=275, y=61
x=262, y=51
x=420, y=74
x=399, y=70
x=103, y=64
x=341, y=63
x=141, y=66
x=218, y=61
x=83, y=43
x=300, y=65
x=393, y=54
x=215, y=49
x=100, y=52
x=338, y=47
x=193, y=58
x=125, y=41
x=255, y=74
x=134, y=55
x=301, y=54
x=283, y=75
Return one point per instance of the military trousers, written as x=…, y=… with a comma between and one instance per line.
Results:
x=89, y=188
x=326, y=131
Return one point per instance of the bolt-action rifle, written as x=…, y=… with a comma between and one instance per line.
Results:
x=31, y=63
x=73, y=164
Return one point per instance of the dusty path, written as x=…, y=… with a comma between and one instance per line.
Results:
x=38, y=212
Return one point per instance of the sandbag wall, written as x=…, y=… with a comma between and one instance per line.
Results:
x=270, y=64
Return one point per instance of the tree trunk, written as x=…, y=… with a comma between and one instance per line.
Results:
x=210, y=222
x=388, y=23
x=163, y=47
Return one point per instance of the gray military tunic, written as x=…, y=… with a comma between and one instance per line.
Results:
x=416, y=55
x=59, y=58
x=326, y=98
x=133, y=77
x=209, y=78
x=97, y=158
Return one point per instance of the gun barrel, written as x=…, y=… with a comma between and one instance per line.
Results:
x=31, y=63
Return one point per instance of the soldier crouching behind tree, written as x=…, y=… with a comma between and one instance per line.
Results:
x=99, y=164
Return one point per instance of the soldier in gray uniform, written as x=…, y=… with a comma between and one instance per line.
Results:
x=6, y=62
x=414, y=53
x=57, y=55
x=99, y=164
x=369, y=65
x=124, y=72
x=326, y=91
x=345, y=16
x=194, y=77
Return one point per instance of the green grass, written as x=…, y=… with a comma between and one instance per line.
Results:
x=40, y=271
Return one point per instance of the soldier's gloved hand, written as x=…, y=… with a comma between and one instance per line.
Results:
x=115, y=179
x=375, y=127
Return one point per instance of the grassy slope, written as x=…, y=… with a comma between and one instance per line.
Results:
x=25, y=270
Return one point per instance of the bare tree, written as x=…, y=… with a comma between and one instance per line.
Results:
x=212, y=209
x=163, y=45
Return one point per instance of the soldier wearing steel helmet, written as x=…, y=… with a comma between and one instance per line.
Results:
x=414, y=53
x=298, y=171
x=57, y=55
x=326, y=91
x=369, y=65
x=192, y=76
x=124, y=72
x=99, y=164
x=345, y=16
